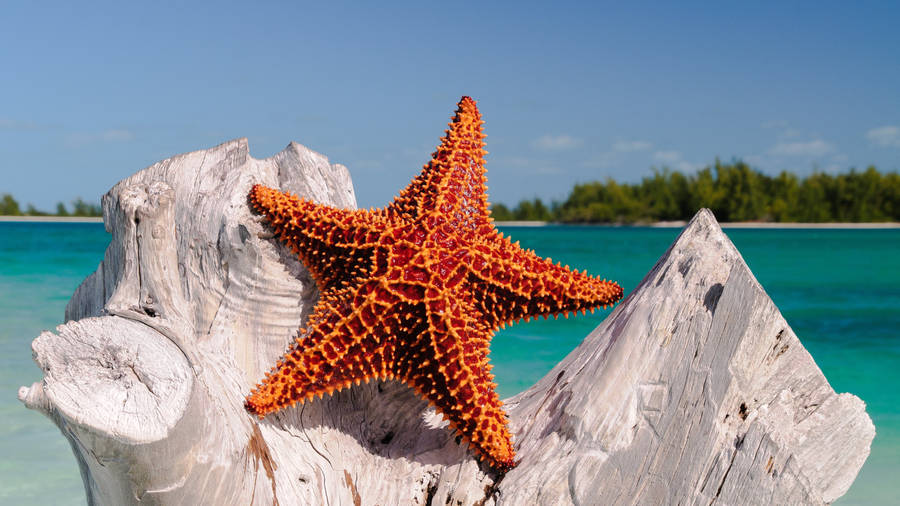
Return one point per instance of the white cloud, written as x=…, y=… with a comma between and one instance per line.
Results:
x=557, y=142
x=840, y=158
x=79, y=139
x=688, y=167
x=601, y=161
x=667, y=156
x=888, y=136
x=618, y=154
x=777, y=123
x=675, y=160
x=755, y=160
x=816, y=147
x=11, y=124
x=367, y=163
x=631, y=146
x=515, y=161
x=790, y=133
x=116, y=135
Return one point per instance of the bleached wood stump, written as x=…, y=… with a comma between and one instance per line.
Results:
x=694, y=390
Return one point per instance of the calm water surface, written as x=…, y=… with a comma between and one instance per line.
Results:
x=838, y=289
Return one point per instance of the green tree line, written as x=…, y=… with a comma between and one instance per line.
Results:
x=10, y=207
x=734, y=192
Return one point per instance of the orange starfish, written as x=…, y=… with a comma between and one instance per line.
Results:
x=416, y=290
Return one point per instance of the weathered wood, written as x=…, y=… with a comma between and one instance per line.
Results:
x=694, y=390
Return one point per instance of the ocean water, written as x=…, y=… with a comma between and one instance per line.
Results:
x=838, y=289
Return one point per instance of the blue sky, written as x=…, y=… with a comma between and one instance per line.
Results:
x=570, y=92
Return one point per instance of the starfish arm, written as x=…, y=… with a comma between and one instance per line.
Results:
x=450, y=368
x=342, y=345
x=336, y=245
x=517, y=284
x=452, y=186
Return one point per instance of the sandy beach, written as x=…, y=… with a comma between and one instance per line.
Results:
x=875, y=225
x=53, y=219
x=749, y=224
x=658, y=224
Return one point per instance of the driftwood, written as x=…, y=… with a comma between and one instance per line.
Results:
x=694, y=390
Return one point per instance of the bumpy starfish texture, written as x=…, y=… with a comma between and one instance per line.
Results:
x=416, y=290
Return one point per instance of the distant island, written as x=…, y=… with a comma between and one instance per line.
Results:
x=733, y=191
x=80, y=209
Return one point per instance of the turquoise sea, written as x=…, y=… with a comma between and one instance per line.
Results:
x=838, y=289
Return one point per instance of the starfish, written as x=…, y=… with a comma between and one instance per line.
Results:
x=415, y=291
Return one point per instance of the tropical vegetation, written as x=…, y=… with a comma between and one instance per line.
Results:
x=10, y=207
x=733, y=191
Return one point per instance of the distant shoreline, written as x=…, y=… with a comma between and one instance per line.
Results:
x=52, y=219
x=658, y=224
x=740, y=224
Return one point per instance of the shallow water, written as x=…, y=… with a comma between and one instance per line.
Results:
x=838, y=289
